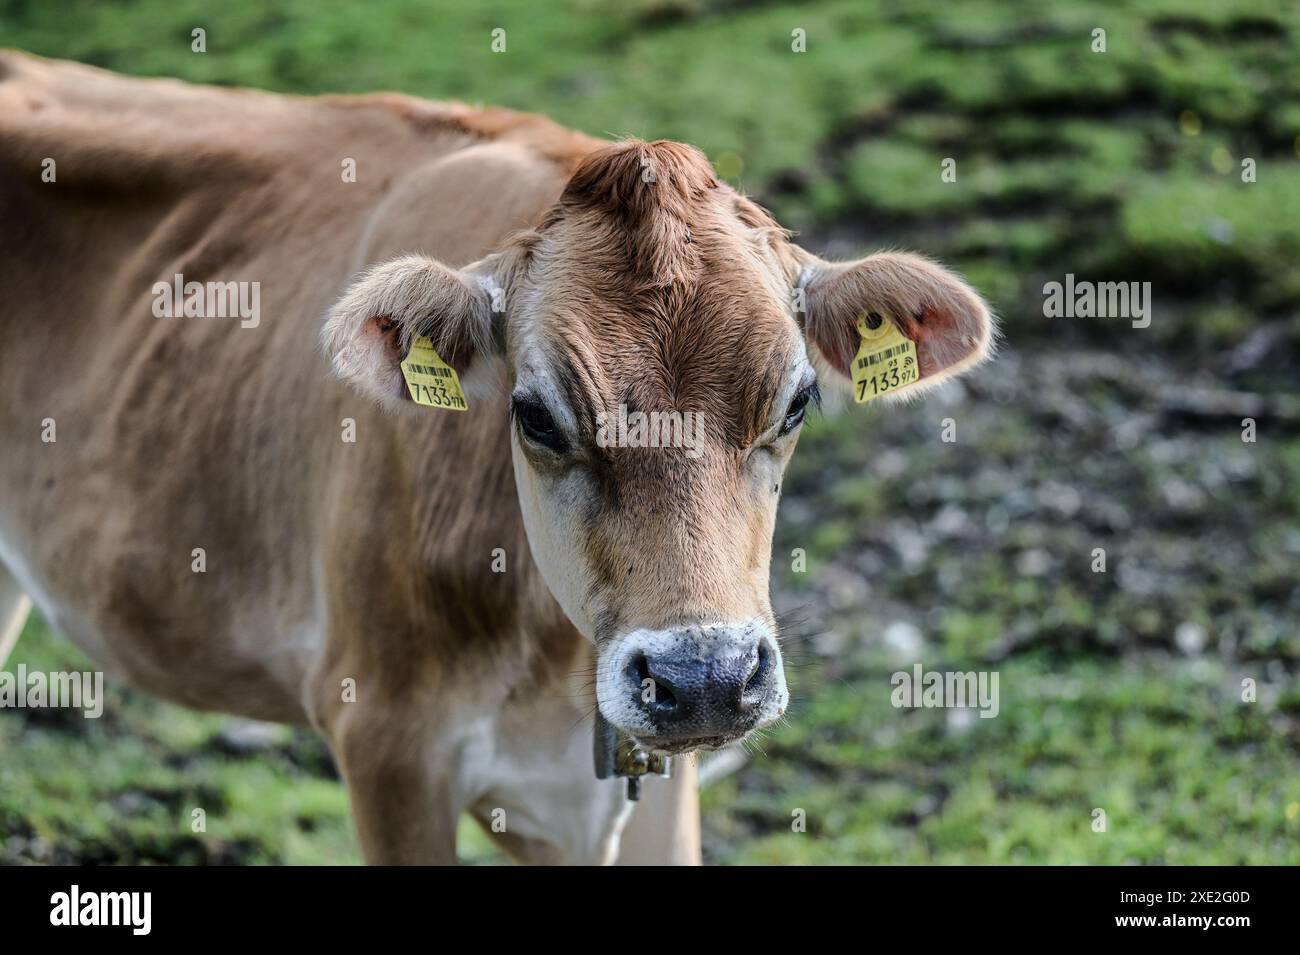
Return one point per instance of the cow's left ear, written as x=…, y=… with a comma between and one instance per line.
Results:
x=946, y=318
x=369, y=331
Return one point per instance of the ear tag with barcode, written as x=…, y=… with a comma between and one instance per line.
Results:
x=886, y=359
x=430, y=380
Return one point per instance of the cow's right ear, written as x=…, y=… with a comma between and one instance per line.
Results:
x=947, y=320
x=370, y=329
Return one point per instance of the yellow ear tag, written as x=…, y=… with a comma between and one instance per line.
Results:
x=885, y=362
x=431, y=381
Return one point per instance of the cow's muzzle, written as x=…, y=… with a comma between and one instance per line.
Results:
x=688, y=687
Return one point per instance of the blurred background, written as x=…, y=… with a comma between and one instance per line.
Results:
x=1120, y=690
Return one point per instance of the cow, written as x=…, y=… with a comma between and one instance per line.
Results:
x=254, y=513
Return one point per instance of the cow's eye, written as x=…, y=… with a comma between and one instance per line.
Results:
x=799, y=407
x=537, y=424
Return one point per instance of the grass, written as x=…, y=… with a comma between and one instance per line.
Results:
x=974, y=555
x=1184, y=771
x=124, y=788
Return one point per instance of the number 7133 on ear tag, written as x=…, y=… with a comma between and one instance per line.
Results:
x=886, y=359
x=430, y=380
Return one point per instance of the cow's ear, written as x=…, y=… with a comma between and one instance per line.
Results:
x=369, y=331
x=946, y=318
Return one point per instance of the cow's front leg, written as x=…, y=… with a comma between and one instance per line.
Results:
x=399, y=768
x=665, y=827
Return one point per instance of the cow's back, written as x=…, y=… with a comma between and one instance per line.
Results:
x=198, y=492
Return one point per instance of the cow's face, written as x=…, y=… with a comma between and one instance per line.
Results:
x=662, y=341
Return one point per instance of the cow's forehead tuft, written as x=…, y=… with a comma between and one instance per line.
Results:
x=637, y=181
x=643, y=212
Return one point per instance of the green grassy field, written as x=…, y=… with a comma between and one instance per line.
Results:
x=1119, y=690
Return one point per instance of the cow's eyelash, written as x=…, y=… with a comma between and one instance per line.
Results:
x=536, y=422
x=810, y=394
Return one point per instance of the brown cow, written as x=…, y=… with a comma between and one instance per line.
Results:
x=194, y=498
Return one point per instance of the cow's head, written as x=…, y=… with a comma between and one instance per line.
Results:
x=651, y=289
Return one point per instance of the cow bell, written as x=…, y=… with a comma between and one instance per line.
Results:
x=618, y=754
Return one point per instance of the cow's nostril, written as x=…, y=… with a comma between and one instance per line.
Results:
x=654, y=693
x=759, y=678
x=638, y=669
